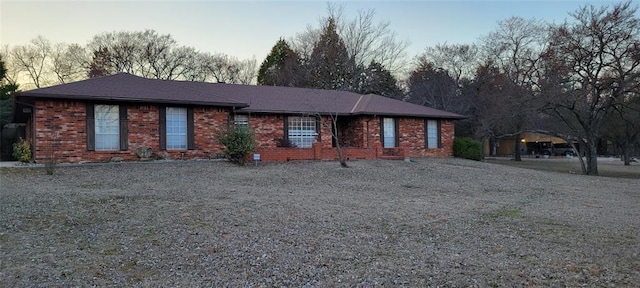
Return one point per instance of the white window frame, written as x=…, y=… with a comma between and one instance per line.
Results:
x=432, y=134
x=176, y=128
x=389, y=129
x=241, y=121
x=107, y=127
x=302, y=131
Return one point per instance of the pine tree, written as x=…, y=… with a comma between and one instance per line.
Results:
x=375, y=79
x=7, y=90
x=100, y=65
x=281, y=67
x=330, y=66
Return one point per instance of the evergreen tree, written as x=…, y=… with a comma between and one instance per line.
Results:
x=376, y=79
x=7, y=90
x=281, y=67
x=100, y=65
x=330, y=66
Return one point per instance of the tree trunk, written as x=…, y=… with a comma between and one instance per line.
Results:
x=494, y=147
x=578, y=152
x=343, y=162
x=517, y=154
x=592, y=158
x=626, y=155
x=334, y=134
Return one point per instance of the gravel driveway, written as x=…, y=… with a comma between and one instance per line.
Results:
x=434, y=222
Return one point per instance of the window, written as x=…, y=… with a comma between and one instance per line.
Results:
x=176, y=128
x=302, y=131
x=433, y=134
x=241, y=121
x=389, y=132
x=107, y=127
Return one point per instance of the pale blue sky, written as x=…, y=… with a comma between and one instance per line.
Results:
x=250, y=28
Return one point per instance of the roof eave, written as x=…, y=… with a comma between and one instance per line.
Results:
x=266, y=111
x=454, y=117
x=290, y=112
x=133, y=100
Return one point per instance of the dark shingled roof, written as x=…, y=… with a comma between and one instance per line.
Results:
x=130, y=88
x=245, y=98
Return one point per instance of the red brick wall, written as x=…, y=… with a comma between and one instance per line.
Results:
x=412, y=138
x=268, y=129
x=207, y=122
x=142, y=122
x=326, y=132
x=61, y=125
x=61, y=128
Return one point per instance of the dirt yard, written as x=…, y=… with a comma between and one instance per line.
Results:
x=435, y=222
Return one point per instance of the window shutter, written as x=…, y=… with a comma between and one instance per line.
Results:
x=191, y=145
x=124, y=139
x=318, y=130
x=286, y=130
x=439, y=134
x=382, y=132
x=426, y=133
x=91, y=128
x=396, y=122
x=162, y=128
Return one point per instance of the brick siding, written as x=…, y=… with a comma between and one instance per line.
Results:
x=61, y=132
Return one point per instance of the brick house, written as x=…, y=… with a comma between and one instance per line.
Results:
x=107, y=118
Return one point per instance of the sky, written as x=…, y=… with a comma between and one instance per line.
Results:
x=246, y=29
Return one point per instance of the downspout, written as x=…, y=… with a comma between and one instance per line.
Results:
x=233, y=112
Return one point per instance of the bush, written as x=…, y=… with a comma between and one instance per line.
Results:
x=22, y=150
x=467, y=148
x=238, y=142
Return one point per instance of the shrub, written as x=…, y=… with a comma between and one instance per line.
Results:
x=22, y=150
x=238, y=142
x=467, y=148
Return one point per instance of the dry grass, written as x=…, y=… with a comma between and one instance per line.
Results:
x=437, y=222
x=607, y=167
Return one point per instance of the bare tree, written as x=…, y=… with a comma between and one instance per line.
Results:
x=443, y=79
x=222, y=68
x=12, y=72
x=622, y=126
x=69, y=62
x=459, y=60
x=366, y=41
x=515, y=49
x=147, y=54
x=154, y=56
x=592, y=65
x=434, y=87
x=32, y=61
x=121, y=51
x=197, y=68
x=248, y=71
x=336, y=139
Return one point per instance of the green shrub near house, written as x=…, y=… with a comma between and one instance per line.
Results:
x=467, y=148
x=22, y=150
x=238, y=143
